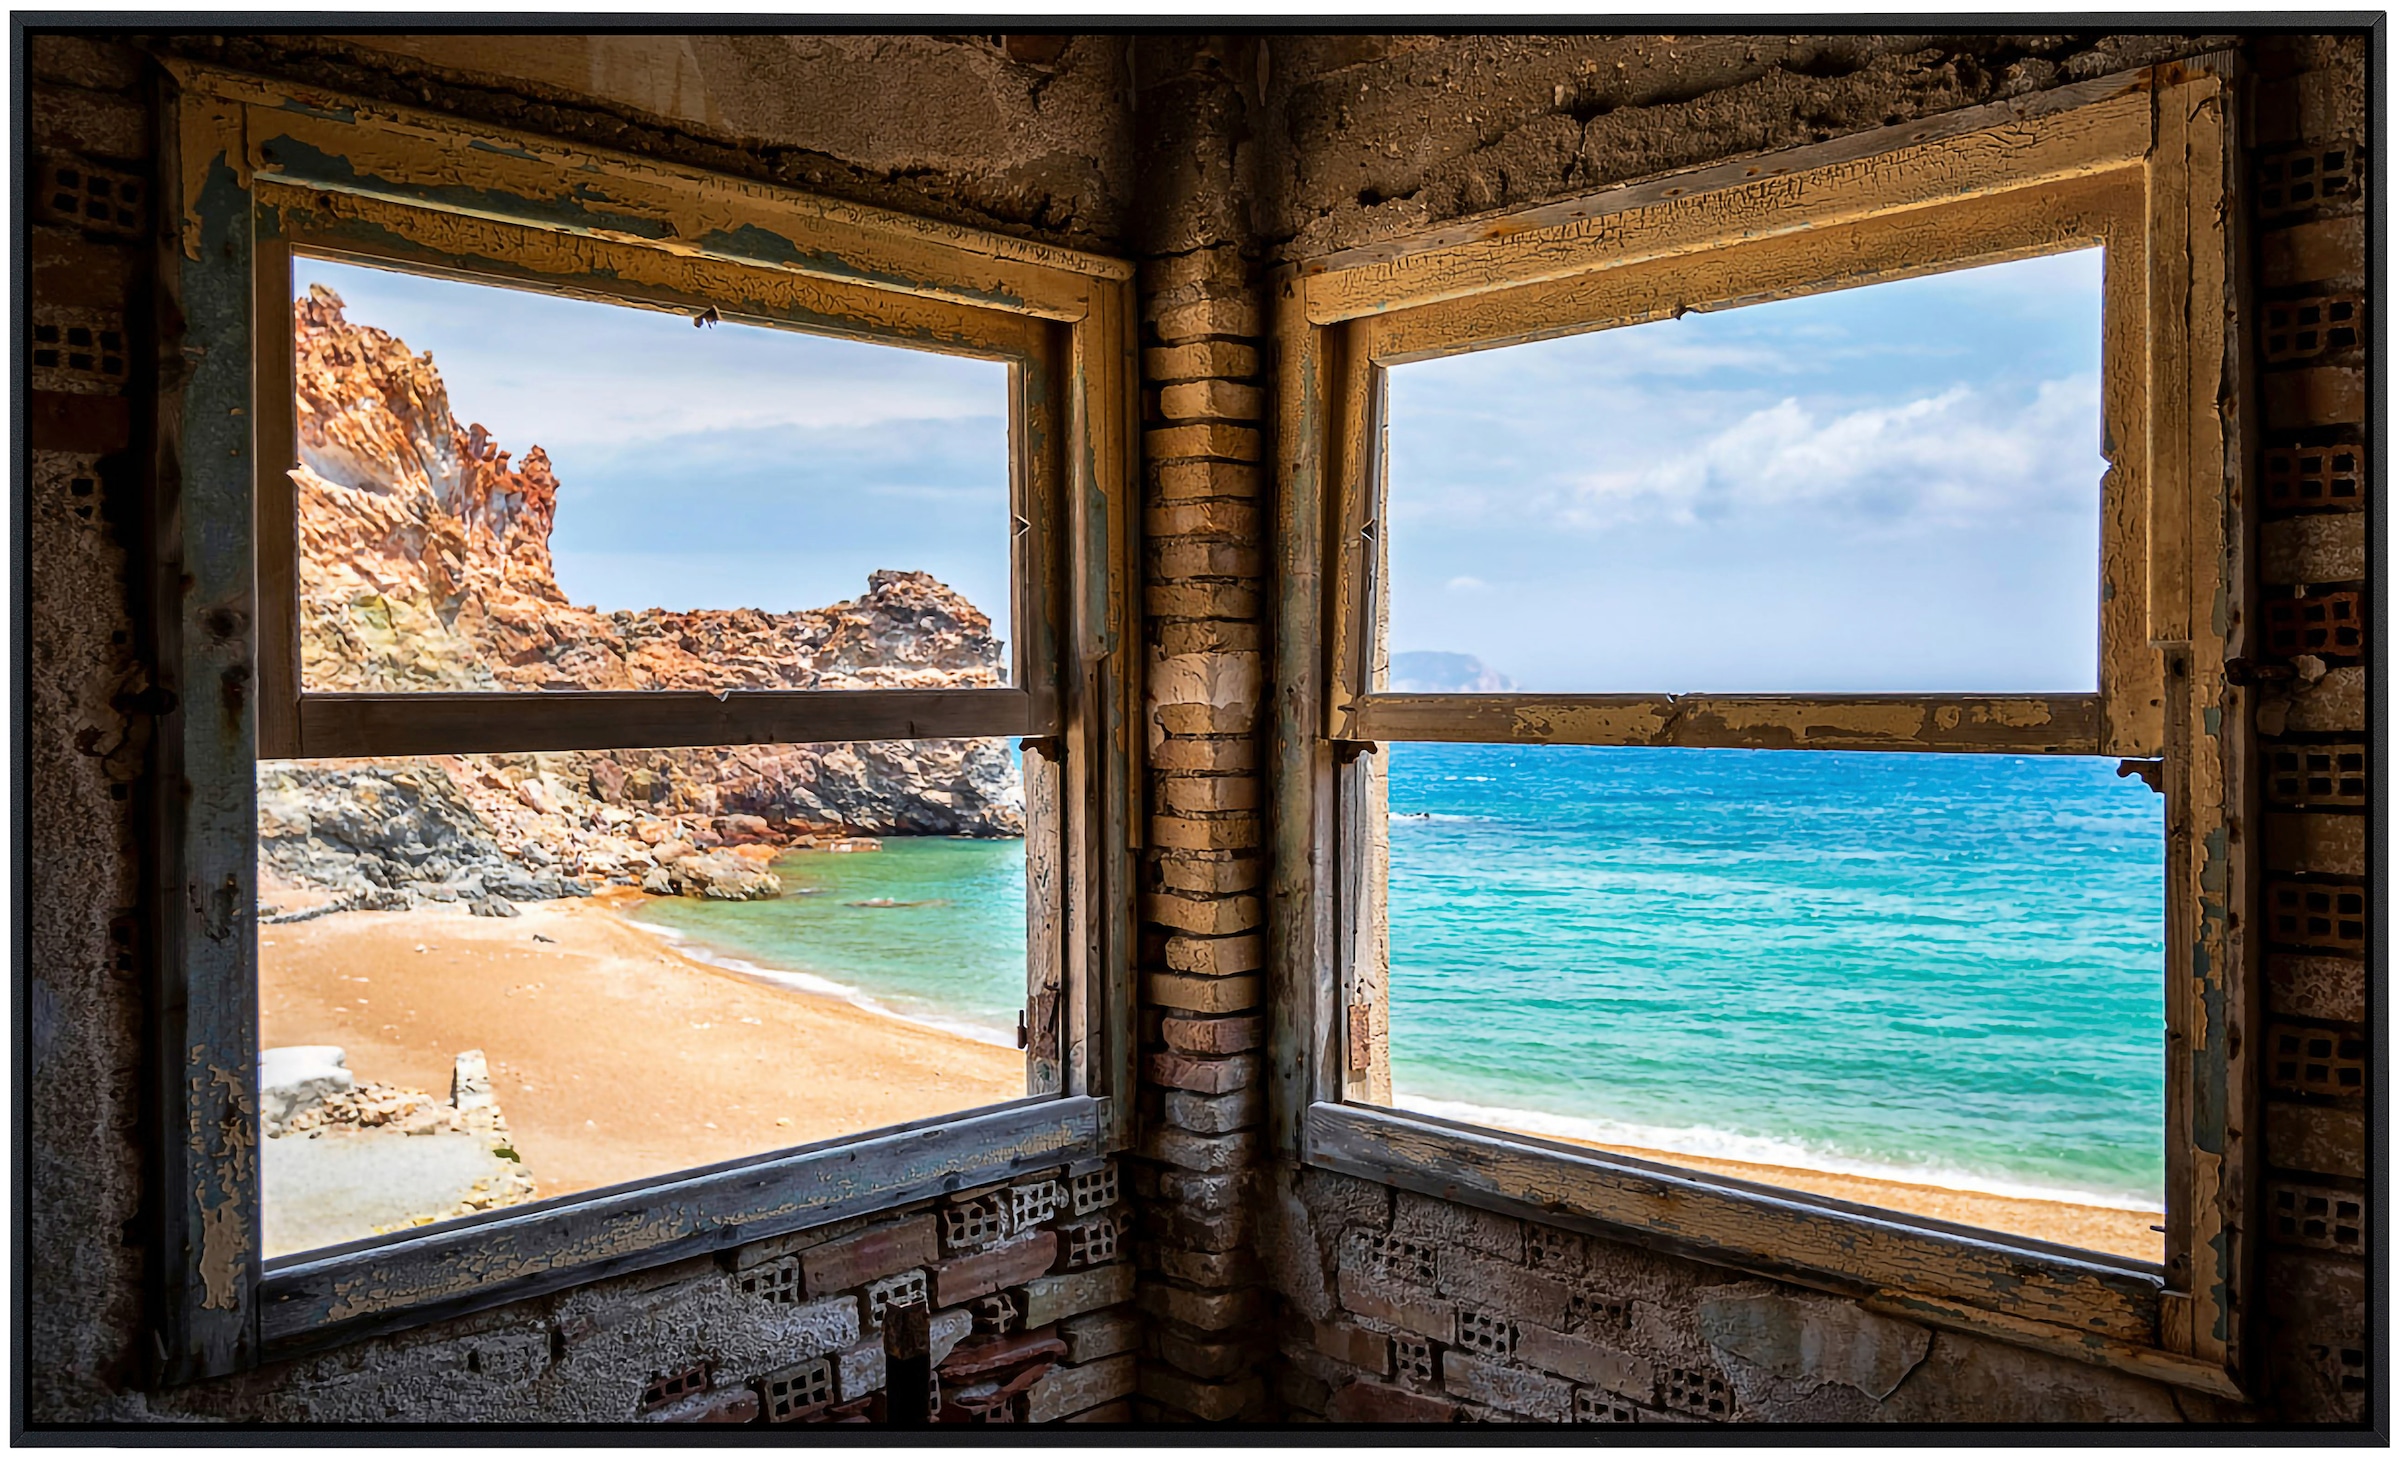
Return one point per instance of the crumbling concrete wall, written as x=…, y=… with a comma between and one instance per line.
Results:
x=1023, y=134
x=1364, y=138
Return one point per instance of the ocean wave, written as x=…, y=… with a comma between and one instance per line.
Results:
x=1703, y=1143
x=818, y=986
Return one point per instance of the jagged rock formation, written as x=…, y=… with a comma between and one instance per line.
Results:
x=425, y=565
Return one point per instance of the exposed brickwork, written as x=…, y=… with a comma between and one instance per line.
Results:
x=1204, y=408
x=2309, y=201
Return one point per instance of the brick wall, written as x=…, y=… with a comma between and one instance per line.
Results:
x=1203, y=945
x=1435, y=1312
x=2307, y=201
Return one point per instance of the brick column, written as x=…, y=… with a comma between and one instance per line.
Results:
x=2311, y=641
x=1204, y=938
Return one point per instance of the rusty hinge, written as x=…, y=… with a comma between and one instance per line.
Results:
x=1361, y=1029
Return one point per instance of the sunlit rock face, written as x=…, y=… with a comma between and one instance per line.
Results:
x=425, y=565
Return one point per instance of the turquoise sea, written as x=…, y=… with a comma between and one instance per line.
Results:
x=1943, y=968
x=949, y=949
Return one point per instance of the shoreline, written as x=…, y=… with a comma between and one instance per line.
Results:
x=621, y=902
x=727, y=1059
x=614, y=1055
x=2110, y=1229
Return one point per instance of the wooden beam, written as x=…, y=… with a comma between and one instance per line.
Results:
x=1883, y=173
x=1720, y=176
x=318, y=138
x=361, y=726
x=1741, y=270
x=2100, y=1351
x=1783, y=1233
x=203, y=1006
x=324, y=1298
x=1302, y=1023
x=512, y=252
x=2004, y=724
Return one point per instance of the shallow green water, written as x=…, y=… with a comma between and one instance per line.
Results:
x=955, y=958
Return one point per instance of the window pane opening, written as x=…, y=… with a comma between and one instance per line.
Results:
x=491, y=979
x=1891, y=488
x=1924, y=982
x=507, y=490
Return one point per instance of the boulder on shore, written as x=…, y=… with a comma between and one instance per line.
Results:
x=715, y=875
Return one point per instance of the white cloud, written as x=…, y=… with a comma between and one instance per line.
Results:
x=1467, y=584
x=1959, y=455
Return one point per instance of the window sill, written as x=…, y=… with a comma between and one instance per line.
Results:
x=342, y=1293
x=2078, y=1304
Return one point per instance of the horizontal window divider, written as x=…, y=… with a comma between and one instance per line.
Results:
x=324, y=1298
x=1992, y=723
x=2093, y=1301
x=354, y=726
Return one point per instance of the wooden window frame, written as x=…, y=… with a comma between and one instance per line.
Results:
x=2135, y=162
x=266, y=169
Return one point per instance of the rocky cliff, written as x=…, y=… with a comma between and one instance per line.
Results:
x=425, y=565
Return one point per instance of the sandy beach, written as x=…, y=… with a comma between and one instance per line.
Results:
x=613, y=1056
x=2086, y=1227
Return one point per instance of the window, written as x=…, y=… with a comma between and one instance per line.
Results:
x=508, y=745
x=1925, y=982
x=1474, y=790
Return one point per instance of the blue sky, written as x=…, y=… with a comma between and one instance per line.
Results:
x=1889, y=488
x=726, y=467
